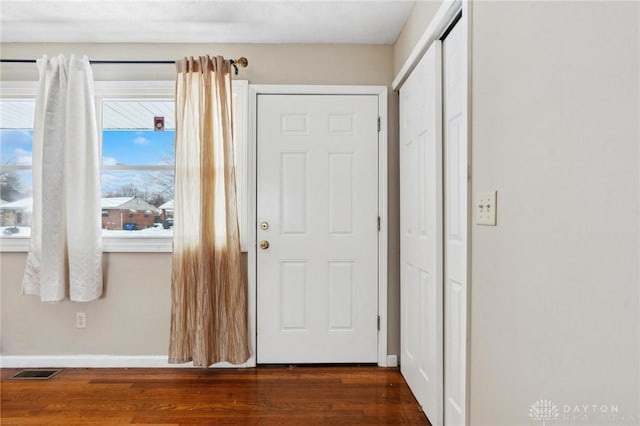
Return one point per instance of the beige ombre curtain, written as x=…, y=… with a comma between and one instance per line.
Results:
x=209, y=294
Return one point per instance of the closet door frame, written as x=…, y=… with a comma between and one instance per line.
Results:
x=456, y=12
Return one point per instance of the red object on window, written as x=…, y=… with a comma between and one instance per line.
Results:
x=158, y=123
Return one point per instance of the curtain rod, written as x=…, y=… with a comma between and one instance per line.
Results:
x=242, y=61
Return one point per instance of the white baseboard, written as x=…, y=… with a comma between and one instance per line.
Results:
x=102, y=361
x=117, y=361
x=392, y=360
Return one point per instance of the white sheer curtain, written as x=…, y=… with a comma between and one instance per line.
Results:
x=66, y=235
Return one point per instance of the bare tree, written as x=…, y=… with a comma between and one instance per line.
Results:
x=129, y=190
x=10, y=185
x=161, y=182
x=156, y=199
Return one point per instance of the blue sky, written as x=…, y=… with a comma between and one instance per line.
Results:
x=125, y=147
x=120, y=147
x=15, y=147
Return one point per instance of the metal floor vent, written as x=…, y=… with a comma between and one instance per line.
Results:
x=35, y=374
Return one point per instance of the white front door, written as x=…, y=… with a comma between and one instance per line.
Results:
x=421, y=226
x=317, y=209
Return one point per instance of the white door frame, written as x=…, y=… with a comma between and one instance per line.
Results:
x=445, y=15
x=275, y=89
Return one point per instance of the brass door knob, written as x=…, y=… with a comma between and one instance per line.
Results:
x=264, y=244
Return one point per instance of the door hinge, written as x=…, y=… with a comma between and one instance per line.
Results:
x=469, y=172
x=378, y=324
x=378, y=223
x=379, y=123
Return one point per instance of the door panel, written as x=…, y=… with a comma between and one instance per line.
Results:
x=421, y=227
x=455, y=244
x=317, y=186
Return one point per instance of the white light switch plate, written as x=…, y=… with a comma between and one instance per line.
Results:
x=485, y=207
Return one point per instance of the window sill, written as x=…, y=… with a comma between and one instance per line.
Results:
x=14, y=244
x=121, y=244
x=135, y=244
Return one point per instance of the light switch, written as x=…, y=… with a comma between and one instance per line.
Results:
x=485, y=207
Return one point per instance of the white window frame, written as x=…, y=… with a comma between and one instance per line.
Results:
x=108, y=90
x=132, y=90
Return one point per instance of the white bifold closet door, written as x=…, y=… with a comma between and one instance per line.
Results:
x=434, y=230
x=421, y=227
x=455, y=225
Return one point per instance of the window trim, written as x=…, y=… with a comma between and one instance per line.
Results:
x=160, y=89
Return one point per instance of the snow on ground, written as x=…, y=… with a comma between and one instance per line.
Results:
x=147, y=232
x=25, y=232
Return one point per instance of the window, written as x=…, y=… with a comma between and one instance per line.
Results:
x=16, y=142
x=137, y=167
x=137, y=131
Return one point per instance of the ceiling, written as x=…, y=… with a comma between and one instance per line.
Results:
x=203, y=21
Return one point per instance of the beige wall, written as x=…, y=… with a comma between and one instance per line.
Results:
x=421, y=14
x=133, y=317
x=268, y=63
x=555, y=286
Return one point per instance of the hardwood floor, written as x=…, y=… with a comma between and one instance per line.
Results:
x=265, y=395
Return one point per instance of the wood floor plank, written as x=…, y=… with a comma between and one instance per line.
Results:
x=309, y=395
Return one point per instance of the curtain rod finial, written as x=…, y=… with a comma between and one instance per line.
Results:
x=242, y=61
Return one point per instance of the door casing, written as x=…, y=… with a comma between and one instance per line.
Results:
x=384, y=360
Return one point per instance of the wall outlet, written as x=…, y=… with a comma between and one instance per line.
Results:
x=81, y=320
x=485, y=207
